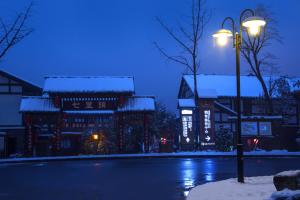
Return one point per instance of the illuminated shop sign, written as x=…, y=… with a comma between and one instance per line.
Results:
x=207, y=138
x=187, y=125
x=187, y=112
x=207, y=127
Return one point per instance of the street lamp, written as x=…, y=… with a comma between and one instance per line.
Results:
x=253, y=26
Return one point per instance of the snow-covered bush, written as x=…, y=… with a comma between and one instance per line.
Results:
x=286, y=195
x=224, y=140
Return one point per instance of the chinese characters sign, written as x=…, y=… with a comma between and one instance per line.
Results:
x=89, y=105
x=207, y=139
x=187, y=136
x=187, y=125
x=207, y=125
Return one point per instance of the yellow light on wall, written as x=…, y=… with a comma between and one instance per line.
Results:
x=254, y=24
x=95, y=136
x=222, y=36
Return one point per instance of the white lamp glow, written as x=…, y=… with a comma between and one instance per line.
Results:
x=254, y=24
x=222, y=36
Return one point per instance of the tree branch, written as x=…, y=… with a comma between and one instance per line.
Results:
x=16, y=32
x=179, y=59
x=170, y=32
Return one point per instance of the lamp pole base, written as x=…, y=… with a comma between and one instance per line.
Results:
x=240, y=163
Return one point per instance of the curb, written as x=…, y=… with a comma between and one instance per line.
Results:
x=137, y=156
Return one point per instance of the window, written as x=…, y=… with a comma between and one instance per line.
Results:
x=257, y=109
x=265, y=128
x=66, y=144
x=16, y=89
x=224, y=117
x=4, y=88
x=1, y=143
x=3, y=79
x=217, y=117
x=290, y=119
x=217, y=126
x=249, y=128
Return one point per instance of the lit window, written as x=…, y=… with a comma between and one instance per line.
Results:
x=187, y=112
x=265, y=128
x=249, y=128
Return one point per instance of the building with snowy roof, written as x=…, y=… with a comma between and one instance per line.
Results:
x=217, y=111
x=12, y=88
x=77, y=114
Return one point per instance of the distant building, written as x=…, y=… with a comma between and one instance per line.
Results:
x=217, y=110
x=96, y=113
x=12, y=132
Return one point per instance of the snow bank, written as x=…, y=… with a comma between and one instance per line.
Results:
x=289, y=173
x=254, y=188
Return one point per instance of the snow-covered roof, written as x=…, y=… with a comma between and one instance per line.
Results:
x=71, y=133
x=225, y=85
x=37, y=104
x=255, y=117
x=186, y=103
x=89, y=84
x=19, y=79
x=89, y=112
x=138, y=104
x=207, y=93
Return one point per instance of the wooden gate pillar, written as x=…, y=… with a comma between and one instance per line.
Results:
x=146, y=133
x=57, y=135
x=29, y=135
x=120, y=127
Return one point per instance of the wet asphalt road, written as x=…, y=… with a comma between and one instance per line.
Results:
x=142, y=179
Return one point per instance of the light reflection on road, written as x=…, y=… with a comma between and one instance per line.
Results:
x=191, y=172
x=209, y=170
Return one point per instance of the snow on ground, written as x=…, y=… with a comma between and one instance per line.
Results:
x=254, y=188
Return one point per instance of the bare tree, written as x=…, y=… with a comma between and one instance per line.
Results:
x=188, y=38
x=13, y=33
x=255, y=52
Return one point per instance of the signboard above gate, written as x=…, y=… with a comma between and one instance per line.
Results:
x=89, y=103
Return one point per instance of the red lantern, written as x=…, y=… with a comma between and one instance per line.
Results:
x=163, y=141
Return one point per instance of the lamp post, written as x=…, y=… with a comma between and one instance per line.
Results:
x=253, y=26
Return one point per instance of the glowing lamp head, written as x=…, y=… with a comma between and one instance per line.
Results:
x=222, y=36
x=95, y=136
x=254, y=25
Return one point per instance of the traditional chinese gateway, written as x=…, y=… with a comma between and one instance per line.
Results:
x=75, y=111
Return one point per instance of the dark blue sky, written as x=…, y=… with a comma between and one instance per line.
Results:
x=115, y=37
